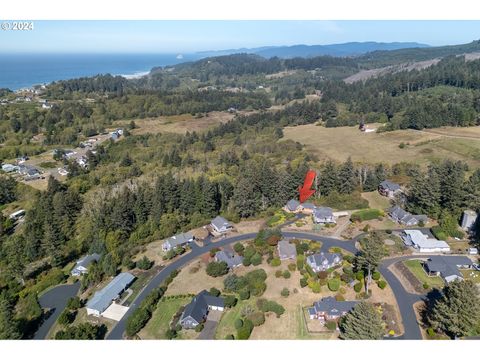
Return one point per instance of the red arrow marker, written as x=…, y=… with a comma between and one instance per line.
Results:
x=306, y=190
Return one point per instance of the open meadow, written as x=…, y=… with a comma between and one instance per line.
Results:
x=420, y=147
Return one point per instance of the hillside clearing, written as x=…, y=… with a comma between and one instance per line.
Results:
x=421, y=147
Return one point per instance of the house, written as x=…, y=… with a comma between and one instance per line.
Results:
x=102, y=299
x=323, y=215
x=389, y=188
x=221, y=225
x=422, y=243
x=324, y=261
x=227, y=255
x=17, y=215
x=292, y=206
x=9, y=168
x=307, y=208
x=405, y=218
x=81, y=267
x=286, y=250
x=197, y=310
x=448, y=267
x=469, y=218
x=329, y=309
x=177, y=240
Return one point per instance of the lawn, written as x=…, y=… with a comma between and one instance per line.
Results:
x=226, y=325
x=473, y=275
x=421, y=147
x=415, y=266
x=376, y=201
x=160, y=321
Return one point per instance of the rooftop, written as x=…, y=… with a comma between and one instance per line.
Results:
x=103, y=298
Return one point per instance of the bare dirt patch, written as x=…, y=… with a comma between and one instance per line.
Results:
x=408, y=280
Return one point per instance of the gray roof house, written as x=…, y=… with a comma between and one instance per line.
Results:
x=329, y=308
x=292, y=205
x=221, y=224
x=324, y=261
x=448, y=266
x=389, y=188
x=102, y=299
x=308, y=207
x=177, y=240
x=286, y=250
x=233, y=260
x=469, y=219
x=81, y=267
x=405, y=218
x=323, y=215
x=197, y=310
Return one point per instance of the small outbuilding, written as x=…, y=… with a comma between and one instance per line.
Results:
x=81, y=266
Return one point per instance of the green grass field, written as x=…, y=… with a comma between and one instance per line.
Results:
x=158, y=324
x=226, y=324
x=415, y=266
x=376, y=201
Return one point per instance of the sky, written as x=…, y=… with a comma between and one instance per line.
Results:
x=192, y=36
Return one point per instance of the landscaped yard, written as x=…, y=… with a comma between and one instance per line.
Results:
x=160, y=321
x=226, y=325
x=473, y=275
x=415, y=266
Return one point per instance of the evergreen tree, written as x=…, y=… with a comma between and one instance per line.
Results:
x=424, y=194
x=457, y=312
x=362, y=323
x=8, y=325
x=329, y=178
x=347, y=178
x=371, y=254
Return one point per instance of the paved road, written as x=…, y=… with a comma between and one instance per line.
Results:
x=56, y=300
x=404, y=299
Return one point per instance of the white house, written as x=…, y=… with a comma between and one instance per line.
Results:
x=177, y=240
x=422, y=243
x=17, y=215
x=323, y=215
x=81, y=267
x=221, y=225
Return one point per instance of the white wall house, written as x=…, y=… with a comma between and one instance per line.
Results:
x=422, y=243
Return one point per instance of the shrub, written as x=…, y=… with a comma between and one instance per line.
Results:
x=170, y=334
x=285, y=292
x=315, y=286
x=300, y=262
x=286, y=274
x=333, y=284
x=339, y=297
x=144, y=263
x=238, y=323
x=216, y=269
x=426, y=286
x=74, y=303
x=382, y=284
x=229, y=337
x=278, y=273
x=137, y=321
x=244, y=294
x=275, y=262
x=303, y=282
x=230, y=301
x=66, y=317
x=376, y=275
x=257, y=318
x=214, y=291
x=359, y=275
x=199, y=327
x=273, y=240
x=244, y=332
x=358, y=287
x=438, y=232
x=322, y=275
x=331, y=325
x=271, y=306
x=431, y=332
x=246, y=261
x=292, y=267
x=349, y=258
x=239, y=249
x=256, y=259
x=389, y=231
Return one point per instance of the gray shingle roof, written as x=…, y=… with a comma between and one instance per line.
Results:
x=332, y=307
x=103, y=298
x=308, y=205
x=198, y=307
x=389, y=185
x=231, y=259
x=180, y=239
x=324, y=258
x=220, y=222
x=287, y=250
x=448, y=265
x=293, y=204
x=87, y=260
x=323, y=212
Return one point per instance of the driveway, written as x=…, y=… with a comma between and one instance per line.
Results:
x=208, y=332
x=56, y=300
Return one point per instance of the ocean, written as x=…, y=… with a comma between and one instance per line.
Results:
x=24, y=70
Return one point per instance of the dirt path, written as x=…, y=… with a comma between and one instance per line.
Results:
x=439, y=133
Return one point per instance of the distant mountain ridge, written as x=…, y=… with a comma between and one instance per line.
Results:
x=337, y=50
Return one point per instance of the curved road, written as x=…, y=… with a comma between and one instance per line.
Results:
x=404, y=299
x=56, y=300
